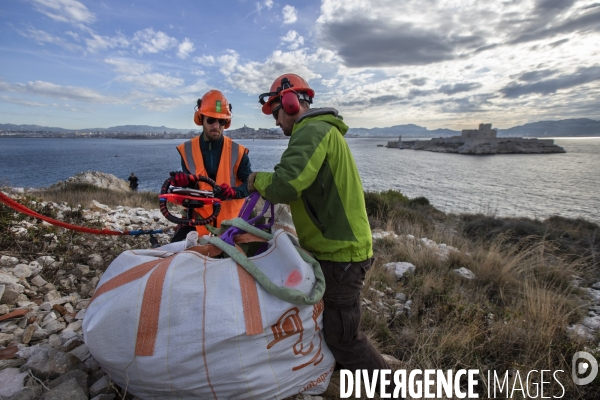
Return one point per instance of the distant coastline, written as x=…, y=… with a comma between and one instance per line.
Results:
x=581, y=127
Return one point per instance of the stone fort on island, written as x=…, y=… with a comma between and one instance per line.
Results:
x=480, y=141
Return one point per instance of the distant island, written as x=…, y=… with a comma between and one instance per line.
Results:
x=566, y=128
x=480, y=141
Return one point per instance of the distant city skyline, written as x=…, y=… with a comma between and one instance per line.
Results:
x=75, y=64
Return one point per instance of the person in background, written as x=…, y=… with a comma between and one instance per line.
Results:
x=216, y=156
x=133, y=182
x=318, y=178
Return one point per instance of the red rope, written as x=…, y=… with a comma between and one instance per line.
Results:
x=21, y=208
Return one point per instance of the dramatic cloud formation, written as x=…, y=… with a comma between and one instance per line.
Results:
x=580, y=77
x=440, y=63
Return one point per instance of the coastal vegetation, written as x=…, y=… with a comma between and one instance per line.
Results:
x=529, y=287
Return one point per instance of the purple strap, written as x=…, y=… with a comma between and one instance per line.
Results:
x=245, y=213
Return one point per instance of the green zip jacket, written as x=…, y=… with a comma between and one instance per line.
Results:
x=318, y=178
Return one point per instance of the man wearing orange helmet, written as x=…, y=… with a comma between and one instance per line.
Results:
x=214, y=155
x=318, y=178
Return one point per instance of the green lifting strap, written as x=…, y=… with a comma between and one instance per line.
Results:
x=293, y=296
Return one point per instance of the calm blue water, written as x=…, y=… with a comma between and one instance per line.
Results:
x=528, y=185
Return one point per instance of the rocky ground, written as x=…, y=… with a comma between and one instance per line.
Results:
x=43, y=301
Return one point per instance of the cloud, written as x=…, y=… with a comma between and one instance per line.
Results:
x=22, y=102
x=43, y=37
x=153, y=80
x=148, y=41
x=47, y=89
x=69, y=11
x=374, y=43
x=451, y=89
x=470, y=104
x=532, y=76
x=580, y=77
x=269, y=4
x=205, y=60
x=289, y=14
x=161, y=104
x=256, y=77
x=294, y=40
x=185, y=48
x=418, y=81
x=98, y=43
x=140, y=74
x=576, y=23
x=228, y=62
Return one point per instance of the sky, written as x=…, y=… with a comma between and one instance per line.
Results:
x=434, y=63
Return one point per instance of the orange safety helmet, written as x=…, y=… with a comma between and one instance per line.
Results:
x=286, y=83
x=213, y=104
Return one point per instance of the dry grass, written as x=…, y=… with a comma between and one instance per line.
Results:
x=84, y=193
x=513, y=316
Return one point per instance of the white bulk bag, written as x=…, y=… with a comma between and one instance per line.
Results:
x=174, y=322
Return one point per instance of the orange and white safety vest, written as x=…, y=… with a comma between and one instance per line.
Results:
x=231, y=156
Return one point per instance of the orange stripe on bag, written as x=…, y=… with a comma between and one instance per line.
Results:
x=248, y=238
x=126, y=277
x=148, y=325
x=209, y=250
x=252, y=314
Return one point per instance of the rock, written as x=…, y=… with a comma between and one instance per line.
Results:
x=22, y=271
x=5, y=338
x=47, y=261
x=98, y=179
x=47, y=362
x=35, y=267
x=102, y=386
x=95, y=206
x=401, y=297
x=12, y=381
x=596, y=286
x=7, y=261
x=465, y=273
x=8, y=278
x=82, y=352
x=95, y=260
x=592, y=322
x=80, y=377
x=67, y=390
x=38, y=281
x=52, y=295
x=400, y=268
x=10, y=297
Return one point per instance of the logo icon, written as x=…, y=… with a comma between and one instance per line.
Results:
x=583, y=363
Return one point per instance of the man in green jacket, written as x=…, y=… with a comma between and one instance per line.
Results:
x=318, y=178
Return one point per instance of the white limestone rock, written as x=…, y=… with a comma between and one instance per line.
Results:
x=465, y=273
x=400, y=268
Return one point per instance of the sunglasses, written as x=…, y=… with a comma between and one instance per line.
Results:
x=275, y=111
x=211, y=120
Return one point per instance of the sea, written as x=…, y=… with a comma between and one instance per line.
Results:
x=503, y=185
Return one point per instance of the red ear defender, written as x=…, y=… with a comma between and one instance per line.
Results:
x=290, y=103
x=198, y=118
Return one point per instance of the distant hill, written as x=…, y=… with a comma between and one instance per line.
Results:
x=121, y=128
x=409, y=130
x=565, y=127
